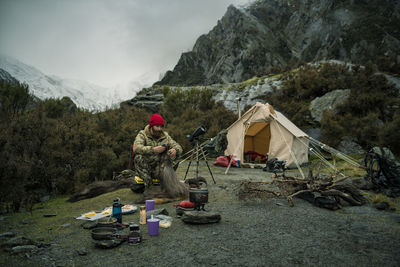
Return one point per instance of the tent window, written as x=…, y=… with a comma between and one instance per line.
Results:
x=257, y=138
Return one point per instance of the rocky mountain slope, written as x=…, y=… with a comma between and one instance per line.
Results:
x=249, y=41
x=5, y=76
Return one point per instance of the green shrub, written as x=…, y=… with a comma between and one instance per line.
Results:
x=367, y=115
x=186, y=110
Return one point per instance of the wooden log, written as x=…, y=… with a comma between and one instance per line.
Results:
x=346, y=197
x=100, y=187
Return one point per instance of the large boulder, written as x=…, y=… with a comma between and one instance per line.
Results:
x=329, y=101
x=150, y=102
x=349, y=145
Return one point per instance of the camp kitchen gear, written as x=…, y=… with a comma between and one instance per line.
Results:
x=106, y=222
x=93, y=216
x=135, y=236
x=108, y=233
x=153, y=226
x=103, y=233
x=199, y=196
x=128, y=209
x=197, y=152
x=117, y=210
x=134, y=227
x=142, y=215
x=107, y=212
x=150, y=204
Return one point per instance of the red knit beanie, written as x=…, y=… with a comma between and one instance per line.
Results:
x=156, y=119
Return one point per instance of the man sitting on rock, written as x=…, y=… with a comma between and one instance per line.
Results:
x=148, y=148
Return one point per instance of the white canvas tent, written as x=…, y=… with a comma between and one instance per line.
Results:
x=264, y=130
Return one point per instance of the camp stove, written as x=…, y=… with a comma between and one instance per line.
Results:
x=198, y=196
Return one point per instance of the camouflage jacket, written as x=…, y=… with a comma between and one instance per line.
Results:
x=144, y=143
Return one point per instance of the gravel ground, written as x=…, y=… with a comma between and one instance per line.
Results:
x=251, y=233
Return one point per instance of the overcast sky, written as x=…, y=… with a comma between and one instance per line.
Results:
x=105, y=41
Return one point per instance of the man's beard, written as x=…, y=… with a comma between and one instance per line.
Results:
x=156, y=133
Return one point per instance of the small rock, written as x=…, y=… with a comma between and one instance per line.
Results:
x=26, y=221
x=65, y=225
x=82, y=251
x=181, y=254
x=50, y=215
x=18, y=241
x=43, y=245
x=7, y=234
x=358, y=227
x=396, y=218
x=24, y=249
x=45, y=198
x=223, y=248
x=200, y=217
x=382, y=205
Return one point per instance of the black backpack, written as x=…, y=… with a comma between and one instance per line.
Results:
x=383, y=171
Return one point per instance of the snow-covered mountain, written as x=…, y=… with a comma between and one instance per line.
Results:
x=5, y=76
x=84, y=94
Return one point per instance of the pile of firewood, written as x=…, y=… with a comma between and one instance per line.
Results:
x=322, y=192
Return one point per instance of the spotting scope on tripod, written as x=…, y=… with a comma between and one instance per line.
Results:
x=198, y=151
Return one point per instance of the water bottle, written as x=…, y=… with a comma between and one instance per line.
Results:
x=117, y=210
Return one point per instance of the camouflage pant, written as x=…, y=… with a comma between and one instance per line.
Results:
x=147, y=168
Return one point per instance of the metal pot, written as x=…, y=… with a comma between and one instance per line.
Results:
x=103, y=233
x=106, y=222
x=199, y=196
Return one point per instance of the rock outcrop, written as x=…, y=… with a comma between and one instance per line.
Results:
x=329, y=101
x=249, y=92
x=249, y=41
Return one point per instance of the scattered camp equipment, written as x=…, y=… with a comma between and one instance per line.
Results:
x=274, y=165
x=100, y=216
x=92, y=216
x=198, y=196
x=198, y=153
x=102, y=233
x=128, y=209
x=117, y=210
x=106, y=222
x=383, y=171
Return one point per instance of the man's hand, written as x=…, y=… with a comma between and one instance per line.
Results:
x=159, y=149
x=172, y=153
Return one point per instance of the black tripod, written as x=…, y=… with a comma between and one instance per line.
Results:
x=195, y=154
